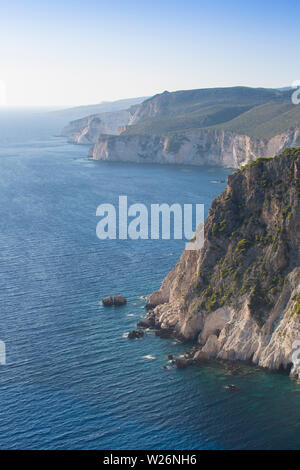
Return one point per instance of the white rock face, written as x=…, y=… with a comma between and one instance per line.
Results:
x=88, y=130
x=195, y=147
x=232, y=333
x=269, y=347
x=214, y=323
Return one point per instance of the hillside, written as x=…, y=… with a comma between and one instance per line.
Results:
x=266, y=121
x=226, y=127
x=78, y=112
x=237, y=109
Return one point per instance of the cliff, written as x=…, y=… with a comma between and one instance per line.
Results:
x=88, y=129
x=216, y=147
x=238, y=297
x=220, y=126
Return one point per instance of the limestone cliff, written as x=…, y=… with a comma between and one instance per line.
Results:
x=89, y=129
x=225, y=127
x=239, y=296
x=215, y=147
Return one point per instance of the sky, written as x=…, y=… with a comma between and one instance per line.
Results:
x=67, y=53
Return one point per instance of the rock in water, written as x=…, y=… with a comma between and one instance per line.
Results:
x=135, y=334
x=107, y=301
x=116, y=300
x=146, y=323
x=182, y=362
x=119, y=300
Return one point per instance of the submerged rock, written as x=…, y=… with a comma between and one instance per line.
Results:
x=232, y=387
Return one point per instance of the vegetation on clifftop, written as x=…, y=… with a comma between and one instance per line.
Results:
x=257, y=112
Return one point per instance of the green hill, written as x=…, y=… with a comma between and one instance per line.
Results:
x=257, y=112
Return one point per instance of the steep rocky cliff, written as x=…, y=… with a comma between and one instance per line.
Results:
x=216, y=147
x=89, y=129
x=239, y=296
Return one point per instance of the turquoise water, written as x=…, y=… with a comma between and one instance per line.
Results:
x=72, y=379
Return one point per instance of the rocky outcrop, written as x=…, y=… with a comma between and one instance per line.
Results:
x=116, y=300
x=135, y=334
x=107, y=302
x=147, y=323
x=119, y=300
x=215, y=147
x=238, y=298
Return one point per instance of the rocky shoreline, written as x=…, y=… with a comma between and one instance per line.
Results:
x=195, y=356
x=238, y=298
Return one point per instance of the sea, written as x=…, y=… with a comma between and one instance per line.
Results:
x=72, y=379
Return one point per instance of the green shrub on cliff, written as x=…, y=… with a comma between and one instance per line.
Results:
x=296, y=308
x=253, y=260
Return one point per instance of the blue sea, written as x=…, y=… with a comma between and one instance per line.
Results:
x=72, y=379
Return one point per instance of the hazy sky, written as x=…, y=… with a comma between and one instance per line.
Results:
x=79, y=52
